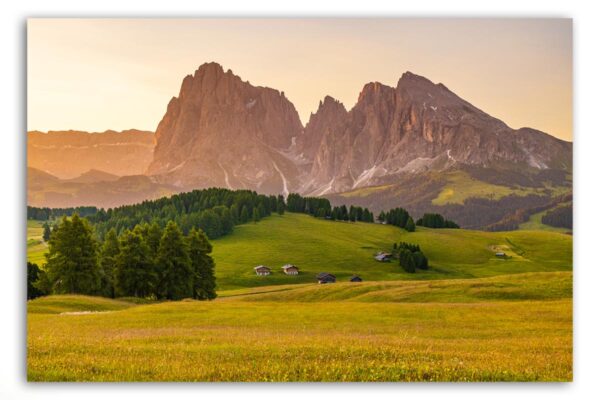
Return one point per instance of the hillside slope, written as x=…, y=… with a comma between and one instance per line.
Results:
x=344, y=249
x=515, y=287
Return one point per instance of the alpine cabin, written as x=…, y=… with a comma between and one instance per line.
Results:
x=290, y=269
x=383, y=257
x=325, y=277
x=262, y=270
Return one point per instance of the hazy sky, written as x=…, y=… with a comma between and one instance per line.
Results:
x=99, y=74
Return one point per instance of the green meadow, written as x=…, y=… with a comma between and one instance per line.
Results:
x=471, y=317
x=36, y=247
x=345, y=248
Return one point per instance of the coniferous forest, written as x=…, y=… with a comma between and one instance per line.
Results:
x=160, y=249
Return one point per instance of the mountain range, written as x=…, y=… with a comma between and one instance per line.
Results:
x=416, y=145
x=68, y=154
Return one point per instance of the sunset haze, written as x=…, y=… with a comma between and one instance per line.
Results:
x=99, y=74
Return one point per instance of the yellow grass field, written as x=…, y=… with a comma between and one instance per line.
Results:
x=471, y=317
x=262, y=337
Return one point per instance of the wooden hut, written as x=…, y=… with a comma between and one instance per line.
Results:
x=262, y=270
x=325, y=277
x=290, y=269
x=383, y=257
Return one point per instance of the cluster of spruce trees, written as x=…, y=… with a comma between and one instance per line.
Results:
x=215, y=211
x=398, y=217
x=353, y=214
x=410, y=256
x=436, y=221
x=147, y=261
x=321, y=208
x=560, y=217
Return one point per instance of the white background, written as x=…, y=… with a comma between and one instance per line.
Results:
x=586, y=25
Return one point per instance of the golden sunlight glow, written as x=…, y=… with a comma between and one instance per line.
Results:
x=98, y=74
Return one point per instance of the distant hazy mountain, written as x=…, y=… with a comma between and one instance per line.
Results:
x=94, y=175
x=45, y=190
x=68, y=154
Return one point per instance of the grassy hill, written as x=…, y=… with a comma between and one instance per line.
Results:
x=74, y=303
x=535, y=221
x=36, y=247
x=344, y=249
x=471, y=317
x=516, y=287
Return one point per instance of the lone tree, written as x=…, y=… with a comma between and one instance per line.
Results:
x=47, y=232
x=134, y=273
x=174, y=265
x=203, y=266
x=410, y=225
x=72, y=260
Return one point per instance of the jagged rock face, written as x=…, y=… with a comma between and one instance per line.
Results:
x=221, y=131
x=330, y=114
x=68, y=154
x=415, y=127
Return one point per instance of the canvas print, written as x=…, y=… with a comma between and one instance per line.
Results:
x=299, y=200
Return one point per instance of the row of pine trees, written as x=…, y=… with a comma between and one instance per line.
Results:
x=147, y=261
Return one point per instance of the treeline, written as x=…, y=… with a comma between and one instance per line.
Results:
x=560, y=217
x=214, y=211
x=45, y=213
x=398, y=217
x=321, y=208
x=436, y=221
x=410, y=256
x=148, y=261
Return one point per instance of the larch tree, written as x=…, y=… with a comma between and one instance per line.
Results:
x=72, y=258
x=174, y=265
x=47, y=232
x=108, y=262
x=203, y=266
x=410, y=225
x=134, y=273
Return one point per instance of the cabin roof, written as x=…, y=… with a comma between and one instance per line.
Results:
x=325, y=275
x=262, y=267
x=286, y=266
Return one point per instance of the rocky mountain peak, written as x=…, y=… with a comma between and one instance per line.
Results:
x=373, y=90
x=329, y=102
x=329, y=115
x=222, y=131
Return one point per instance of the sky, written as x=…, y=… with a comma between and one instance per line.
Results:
x=99, y=74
